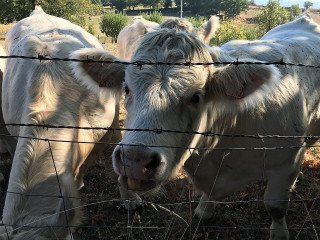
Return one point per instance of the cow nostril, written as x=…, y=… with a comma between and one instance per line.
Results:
x=153, y=165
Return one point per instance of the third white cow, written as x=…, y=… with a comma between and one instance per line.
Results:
x=242, y=99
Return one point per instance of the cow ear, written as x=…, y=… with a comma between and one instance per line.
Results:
x=243, y=86
x=207, y=30
x=98, y=75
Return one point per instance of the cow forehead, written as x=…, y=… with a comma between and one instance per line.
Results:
x=164, y=86
x=169, y=46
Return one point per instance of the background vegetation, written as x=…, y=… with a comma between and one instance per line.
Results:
x=245, y=220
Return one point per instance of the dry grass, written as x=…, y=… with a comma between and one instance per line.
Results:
x=4, y=28
x=246, y=220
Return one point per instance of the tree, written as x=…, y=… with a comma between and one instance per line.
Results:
x=232, y=8
x=11, y=10
x=112, y=23
x=168, y=3
x=155, y=4
x=252, y=3
x=295, y=11
x=73, y=10
x=271, y=16
x=119, y=4
x=308, y=4
x=133, y=3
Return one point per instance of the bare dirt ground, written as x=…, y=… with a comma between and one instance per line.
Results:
x=241, y=216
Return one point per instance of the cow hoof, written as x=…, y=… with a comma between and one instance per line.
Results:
x=203, y=214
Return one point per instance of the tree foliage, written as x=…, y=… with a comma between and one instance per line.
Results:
x=119, y=4
x=307, y=4
x=73, y=10
x=232, y=8
x=133, y=3
x=154, y=4
x=11, y=10
x=271, y=16
x=167, y=4
x=227, y=31
x=112, y=23
x=295, y=11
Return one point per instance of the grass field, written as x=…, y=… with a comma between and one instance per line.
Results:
x=242, y=216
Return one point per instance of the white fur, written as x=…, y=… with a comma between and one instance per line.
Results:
x=48, y=92
x=129, y=37
x=286, y=103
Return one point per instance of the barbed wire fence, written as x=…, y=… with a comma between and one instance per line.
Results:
x=189, y=225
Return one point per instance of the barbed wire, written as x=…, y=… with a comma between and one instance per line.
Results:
x=159, y=204
x=90, y=59
x=139, y=64
x=164, y=146
x=161, y=131
x=156, y=227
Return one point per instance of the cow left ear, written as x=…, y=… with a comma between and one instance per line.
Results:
x=95, y=75
x=243, y=86
x=207, y=30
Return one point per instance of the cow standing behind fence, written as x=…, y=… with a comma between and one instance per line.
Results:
x=237, y=99
x=129, y=37
x=54, y=93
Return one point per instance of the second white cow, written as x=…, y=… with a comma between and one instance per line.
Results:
x=128, y=38
x=53, y=93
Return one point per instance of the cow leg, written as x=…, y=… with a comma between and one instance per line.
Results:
x=277, y=194
x=110, y=136
x=7, y=144
x=204, y=209
x=277, y=210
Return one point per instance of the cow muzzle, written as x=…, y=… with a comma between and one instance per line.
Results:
x=139, y=167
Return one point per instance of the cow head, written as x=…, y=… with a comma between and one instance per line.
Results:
x=96, y=75
x=205, y=32
x=175, y=98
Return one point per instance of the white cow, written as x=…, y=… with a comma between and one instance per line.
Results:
x=53, y=93
x=244, y=99
x=128, y=38
x=7, y=144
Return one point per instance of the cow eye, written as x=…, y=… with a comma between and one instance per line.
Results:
x=126, y=90
x=195, y=98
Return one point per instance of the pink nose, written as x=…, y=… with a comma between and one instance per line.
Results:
x=138, y=166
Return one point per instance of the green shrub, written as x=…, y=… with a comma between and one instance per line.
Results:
x=91, y=29
x=251, y=33
x=271, y=16
x=112, y=23
x=154, y=16
x=227, y=31
x=197, y=20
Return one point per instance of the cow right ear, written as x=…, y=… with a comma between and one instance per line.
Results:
x=98, y=73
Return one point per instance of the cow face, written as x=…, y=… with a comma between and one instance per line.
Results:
x=175, y=98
